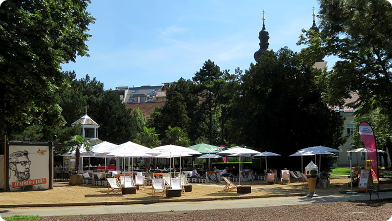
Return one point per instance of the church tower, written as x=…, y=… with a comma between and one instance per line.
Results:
x=263, y=36
x=320, y=63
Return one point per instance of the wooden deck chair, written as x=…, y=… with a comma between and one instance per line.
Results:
x=167, y=179
x=176, y=184
x=285, y=176
x=158, y=185
x=114, y=185
x=229, y=185
x=295, y=176
x=302, y=176
x=184, y=179
x=270, y=178
x=139, y=181
x=127, y=181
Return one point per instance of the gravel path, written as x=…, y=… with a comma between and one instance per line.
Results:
x=359, y=210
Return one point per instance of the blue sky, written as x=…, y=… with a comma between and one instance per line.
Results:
x=151, y=42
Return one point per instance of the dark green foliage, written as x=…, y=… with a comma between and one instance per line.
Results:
x=282, y=109
x=36, y=38
x=115, y=120
x=176, y=136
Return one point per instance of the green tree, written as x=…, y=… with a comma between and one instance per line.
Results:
x=148, y=137
x=138, y=121
x=282, y=109
x=175, y=112
x=176, y=136
x=115, y=120
x=358, y=33
x=76, y=143
x=210, y=79
x=36, y=40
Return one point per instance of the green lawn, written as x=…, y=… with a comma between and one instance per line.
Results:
x=340, y=171
x=11, y=218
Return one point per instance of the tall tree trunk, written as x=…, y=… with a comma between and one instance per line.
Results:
x=77, y=156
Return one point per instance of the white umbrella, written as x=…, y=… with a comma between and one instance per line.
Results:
x=266, y=154
x=172, y=151
x=104, y=147
x=130, y=149
x=209, y=156
x=311, y=152
x=239, y=151
x=320, y=148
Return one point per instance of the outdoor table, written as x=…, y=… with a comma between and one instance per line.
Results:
x=188, y=188
x=173, y=193
x=128, y=190
x=244, y=189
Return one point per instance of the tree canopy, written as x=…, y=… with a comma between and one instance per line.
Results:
x=359, y=33
x=37, y=37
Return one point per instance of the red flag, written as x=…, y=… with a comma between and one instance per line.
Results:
x=367, y=135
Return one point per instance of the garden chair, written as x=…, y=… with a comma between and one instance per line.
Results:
x=285, y=176
x=158, y=185
x=139, y=181
x=114, y=185
x=270, y=178
x=229, y=185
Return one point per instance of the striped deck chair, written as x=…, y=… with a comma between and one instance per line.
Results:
x=229, y=185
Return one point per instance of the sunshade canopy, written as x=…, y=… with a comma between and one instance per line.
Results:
x=206, y=148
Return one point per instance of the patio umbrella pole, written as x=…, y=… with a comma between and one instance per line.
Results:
x=351, y=176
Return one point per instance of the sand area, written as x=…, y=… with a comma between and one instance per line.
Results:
x=65, y=194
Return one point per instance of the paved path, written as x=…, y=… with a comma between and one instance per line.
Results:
x=183, y=206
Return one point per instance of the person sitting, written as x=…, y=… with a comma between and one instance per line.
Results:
x=195, y=174
x=323, y=179
x=225, y=173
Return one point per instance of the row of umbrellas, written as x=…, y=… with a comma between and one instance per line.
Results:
x=130, y=149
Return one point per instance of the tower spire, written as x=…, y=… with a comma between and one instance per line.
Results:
x=263, y=36
x=314, y=26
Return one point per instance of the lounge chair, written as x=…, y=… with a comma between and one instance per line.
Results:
x=229, y=185
x=270, y=178
x=87, y=179
x=302, y=176
x=295, y=176
x=285, y=177
x=167, y=179
x=184, y=180
x=114, y=185
x=139, y=181
x=158, y=185
x=176, y=184
x=126, y=181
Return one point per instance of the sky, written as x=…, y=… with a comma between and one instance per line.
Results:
x=151, y=42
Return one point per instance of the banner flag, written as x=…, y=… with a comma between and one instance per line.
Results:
x=369, y=140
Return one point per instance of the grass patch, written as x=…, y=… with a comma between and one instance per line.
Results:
x=340, y=171
x=21, y=218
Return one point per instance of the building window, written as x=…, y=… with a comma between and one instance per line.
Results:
x=349, y=129
x=349, y=156
x=363, y=156
x=89, y=132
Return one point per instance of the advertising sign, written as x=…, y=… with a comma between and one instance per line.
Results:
x=28, y=167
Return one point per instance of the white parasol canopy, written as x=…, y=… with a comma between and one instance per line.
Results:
x=171, y=151
x=130, y=149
